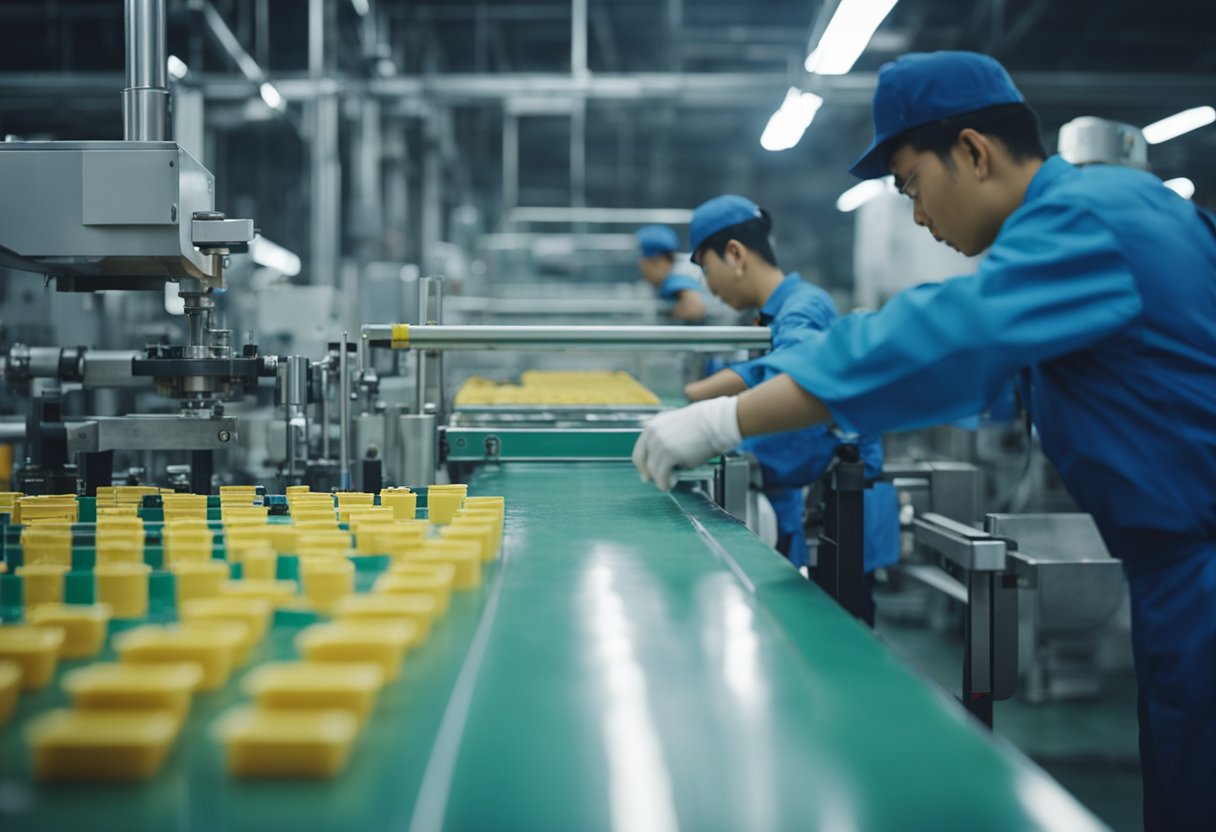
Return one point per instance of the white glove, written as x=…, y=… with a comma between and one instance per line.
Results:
x=685, y=438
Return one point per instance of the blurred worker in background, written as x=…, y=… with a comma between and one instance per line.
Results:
x=1098, y=294
x=657, y=249
x=729, y=240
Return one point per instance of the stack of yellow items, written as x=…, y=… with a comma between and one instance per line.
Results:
x=8, y=501
x=46, y=508
x=184, y=506
x=120, y=539
x=187, y=540
x=238, y=495
x=539, y=387
x=309, y=507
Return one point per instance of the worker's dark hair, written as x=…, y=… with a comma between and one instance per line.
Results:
x=1014, y=125
x=753, y=234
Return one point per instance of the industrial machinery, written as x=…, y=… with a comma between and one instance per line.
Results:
x=127, y=215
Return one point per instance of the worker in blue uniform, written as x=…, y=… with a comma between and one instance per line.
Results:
x=729, y=237
x=1098, y=294
x=657, y=249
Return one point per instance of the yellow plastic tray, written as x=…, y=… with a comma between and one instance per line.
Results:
x=417, y=607
x=83, y=625
x=34, y=649
x=347, y=641
x=100, y=745
x=153, y=644
x=315, y=686
x=133, y=687
x=286, y=743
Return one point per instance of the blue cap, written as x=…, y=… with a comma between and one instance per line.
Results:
x=654, y=240
x=924, y=87
x=718, y=213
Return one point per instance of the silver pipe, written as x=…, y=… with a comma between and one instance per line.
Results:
x=324, y=416
x=693, y=338
x=344, y=414
x=145, y=100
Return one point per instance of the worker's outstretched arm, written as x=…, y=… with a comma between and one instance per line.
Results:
x=779, y=405
x=722, y=383
x=690, y=307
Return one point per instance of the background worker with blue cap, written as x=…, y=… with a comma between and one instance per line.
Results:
x=1098, y=293
x=657, y=248
x=729, y=239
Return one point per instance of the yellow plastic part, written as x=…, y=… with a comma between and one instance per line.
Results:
x=41, y=583
x=298, y=489
x=47, y=544
x=418, y=607
x=541, y=387
x=402, y=501
x=347, y=499
x=401, y=337
x=348, y=641
x=83, y=625
x=483, y=534
x=277, y=592
x=396, y=539
x=315, y=686
x=124, y=587
x=155, y=644
x=133, y=687
x=259, y=564
x=239, y=542
x=478, y=514
x=441, y=505
x=286, y=743
x=435, y=579
x=10, y=684
x=100, y=745
x=198, y=578
x=254, y=612
x=34, y=649
x=231, y=633
x=465, y=555
x=326, y=579
x=187, y=543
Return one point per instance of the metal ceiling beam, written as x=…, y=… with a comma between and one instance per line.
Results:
x=1081, y=89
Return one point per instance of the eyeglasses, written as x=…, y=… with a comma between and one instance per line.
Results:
x=905, y=189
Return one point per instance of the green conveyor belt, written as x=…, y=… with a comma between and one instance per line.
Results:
x=634, y=661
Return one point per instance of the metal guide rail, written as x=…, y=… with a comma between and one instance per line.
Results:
x=448, y=338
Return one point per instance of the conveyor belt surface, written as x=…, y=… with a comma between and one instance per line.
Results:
x=633, y=661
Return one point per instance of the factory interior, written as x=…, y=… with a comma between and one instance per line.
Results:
x=328, y=331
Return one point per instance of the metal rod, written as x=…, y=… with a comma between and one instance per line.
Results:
x=145, y=100
x=344, y=413
x=572, y=337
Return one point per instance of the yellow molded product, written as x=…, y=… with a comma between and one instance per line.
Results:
x=115, y=511
x=315, y=686
x=277, y=592
x=198, y=578
x=419, y=607
x=336, y=541
x=10, y=684
x=435, y=579
x=124, y=586
x=47, y=544
x=286, y=743
x=3, y=567
x=239, y=544
x=120, y=540
x=230, y=632
x=465, y=555
x=483, y=534
x=403, y=503
x=71, y=744
x=325, y=580
x=83, y=625
x=259, y=564
x=348, y=641
x=34, y=649
x=255, y=612
x=112, y=686
x=441, y=505
x=154, y=644
x=482, y=515
x=366, y=514
x=282, y=537
x=41, y=583
x=187, y=544
x=355, y=498
x=400, y=336
x=389, y=539
x=298, y=489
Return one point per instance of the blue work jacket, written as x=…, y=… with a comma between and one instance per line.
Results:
x=798, y=310
x=1099, y=295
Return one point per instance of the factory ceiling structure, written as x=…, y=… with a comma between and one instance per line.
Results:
x=592, y=103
